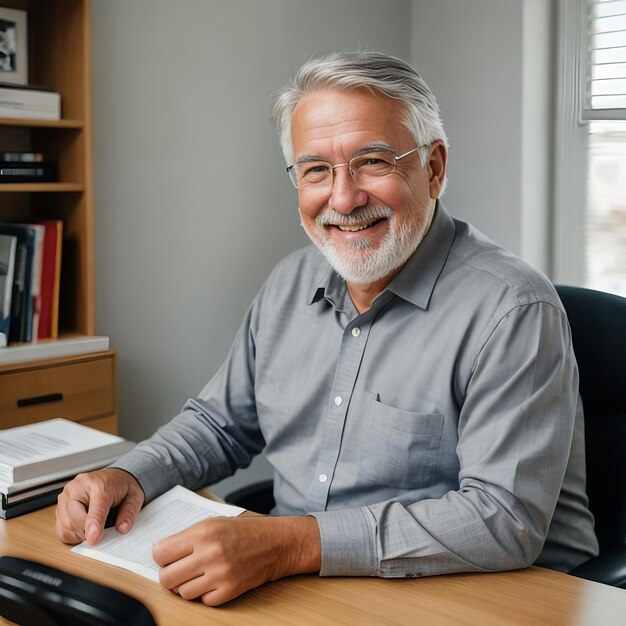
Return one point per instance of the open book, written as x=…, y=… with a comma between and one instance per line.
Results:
x=166, y=515
x=54, y=447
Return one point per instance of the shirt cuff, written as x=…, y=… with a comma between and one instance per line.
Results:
x=151, y=475
x=348, y=542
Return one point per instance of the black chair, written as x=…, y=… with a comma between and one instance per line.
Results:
x=257, y=496
x=598, y=323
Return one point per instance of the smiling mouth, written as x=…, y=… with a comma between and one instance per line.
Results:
x=354, y=228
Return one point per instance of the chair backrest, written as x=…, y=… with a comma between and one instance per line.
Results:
x=598, y=323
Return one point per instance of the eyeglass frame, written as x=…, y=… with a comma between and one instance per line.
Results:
x=289, y=169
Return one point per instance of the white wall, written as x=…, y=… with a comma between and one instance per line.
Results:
x=192, y=206
x=488, y=62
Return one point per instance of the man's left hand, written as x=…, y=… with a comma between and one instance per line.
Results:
x=218, y=559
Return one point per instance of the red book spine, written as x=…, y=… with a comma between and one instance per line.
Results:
x=48, y=272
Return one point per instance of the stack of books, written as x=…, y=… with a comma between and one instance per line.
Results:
x=36, y=461
x=29, y=101
x=30, y=278
x=25, y=167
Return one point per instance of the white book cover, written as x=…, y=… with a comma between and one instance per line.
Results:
x=8, y=247
x=33, y=103
x=53, y=446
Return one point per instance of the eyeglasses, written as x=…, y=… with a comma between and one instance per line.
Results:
x=315, y=174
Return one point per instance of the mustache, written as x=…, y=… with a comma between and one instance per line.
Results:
x=330, y=217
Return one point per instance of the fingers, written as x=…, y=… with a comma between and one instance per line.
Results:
x=84, y=504
x=128, y=511
x=70, y=522
x=218, y=596
x=181, y=572
x=192, y=563
x=218, y=559
x=71, y=512
x=191, y=580
x=100, y=503
x=173, y=548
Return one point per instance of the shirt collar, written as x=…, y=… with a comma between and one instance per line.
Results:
x=415, y=282
x=332, y=287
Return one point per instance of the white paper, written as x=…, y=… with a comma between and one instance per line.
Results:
x=166, y=515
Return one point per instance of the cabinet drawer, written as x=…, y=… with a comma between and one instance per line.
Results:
x=74, y=390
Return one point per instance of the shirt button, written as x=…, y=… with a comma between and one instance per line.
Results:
x=323, y=478
x=338, y=400
x=356, y=331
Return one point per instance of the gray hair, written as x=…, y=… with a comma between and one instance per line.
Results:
x=380, y=72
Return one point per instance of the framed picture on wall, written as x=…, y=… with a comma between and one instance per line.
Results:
x=13, y=46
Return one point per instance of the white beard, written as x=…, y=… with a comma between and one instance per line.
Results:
x=366, y=263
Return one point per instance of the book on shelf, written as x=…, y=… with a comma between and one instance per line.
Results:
x=36, y=280
x=21, y=156
x=13, y=172
x=50, y=279
x=43, y=449
x=8, y=246
x=25, y=167
x=21, y=301
x=56, y=290
x=53, y=348
x=27, y=101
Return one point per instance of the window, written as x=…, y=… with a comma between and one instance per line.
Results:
x=590, y=152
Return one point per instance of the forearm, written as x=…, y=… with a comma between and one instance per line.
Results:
x=298, y=545
x=192, y=450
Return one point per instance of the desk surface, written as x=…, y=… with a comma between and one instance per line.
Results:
x=530, y=597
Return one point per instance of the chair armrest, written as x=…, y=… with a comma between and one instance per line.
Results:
x=608, y=568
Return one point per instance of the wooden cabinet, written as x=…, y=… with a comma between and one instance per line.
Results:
x=79, y=388
x=59, y=44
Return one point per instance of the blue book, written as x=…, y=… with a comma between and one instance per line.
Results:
x=8, y=246
x=21, y=325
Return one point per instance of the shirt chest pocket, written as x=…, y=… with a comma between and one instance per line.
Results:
x=400, y=448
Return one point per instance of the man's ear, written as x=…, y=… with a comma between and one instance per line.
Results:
x=437, y=161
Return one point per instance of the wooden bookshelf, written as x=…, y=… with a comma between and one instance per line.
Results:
x=59, y=57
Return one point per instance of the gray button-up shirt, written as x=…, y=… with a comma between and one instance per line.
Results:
x=437, y=432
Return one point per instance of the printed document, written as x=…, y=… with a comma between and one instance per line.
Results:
x=166, y=515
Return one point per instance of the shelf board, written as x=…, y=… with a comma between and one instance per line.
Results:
x=40, y=187
x=17, y=121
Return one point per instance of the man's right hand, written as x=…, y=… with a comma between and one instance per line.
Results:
x=84, y=504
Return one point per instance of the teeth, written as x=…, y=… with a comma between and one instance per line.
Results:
x=354, y=229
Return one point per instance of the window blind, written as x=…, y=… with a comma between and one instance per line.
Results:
x=605, y=66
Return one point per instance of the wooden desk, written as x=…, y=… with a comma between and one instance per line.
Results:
x=530, y=597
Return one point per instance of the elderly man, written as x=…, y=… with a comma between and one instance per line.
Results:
x=412, y=384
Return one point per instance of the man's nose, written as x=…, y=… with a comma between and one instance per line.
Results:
x=345, y=194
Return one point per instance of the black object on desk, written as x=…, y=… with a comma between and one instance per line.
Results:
x=32, y=593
